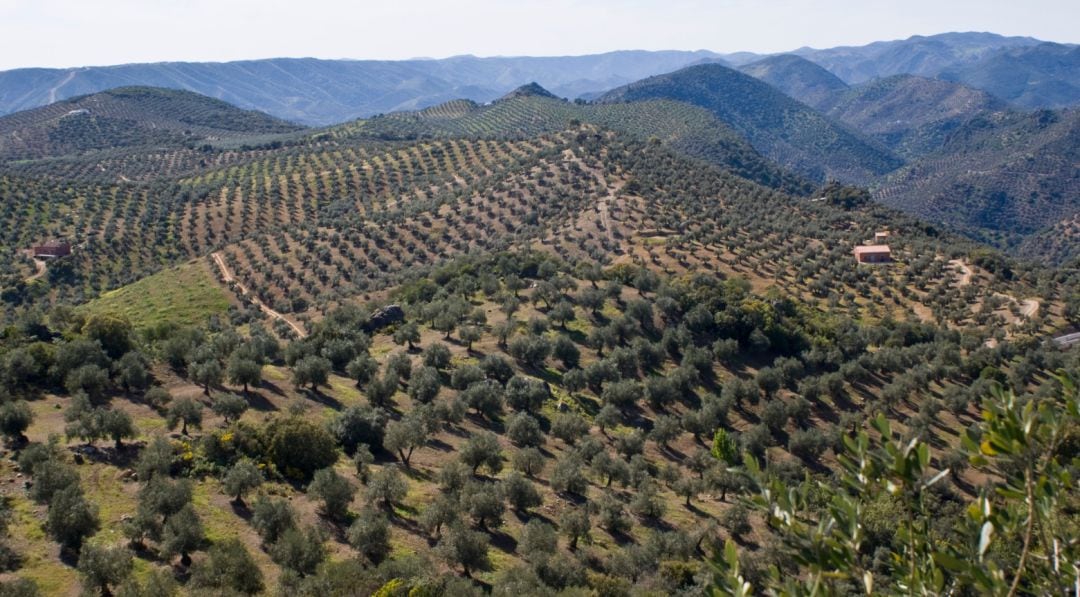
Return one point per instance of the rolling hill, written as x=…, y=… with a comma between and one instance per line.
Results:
x=786, y=131
x=531, y=110
x=797, y=77
x=129, y=117
x=911, y=115
x=1002, y=177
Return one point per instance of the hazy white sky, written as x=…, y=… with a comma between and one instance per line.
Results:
x=96, y=32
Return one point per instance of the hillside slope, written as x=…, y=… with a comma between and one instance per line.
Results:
x=689, y=129
x=128, y=117
x=911, y=115
x=783, y=129
x=797, y=77
x=579, y=312
x=1002, y=177
x=1042, y=76
x=917, y=55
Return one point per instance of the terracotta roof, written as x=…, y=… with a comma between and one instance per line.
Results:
x=872, y=249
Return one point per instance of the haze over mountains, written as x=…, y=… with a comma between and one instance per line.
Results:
x=321, y=92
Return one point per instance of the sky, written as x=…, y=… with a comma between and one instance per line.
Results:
x=65, y=33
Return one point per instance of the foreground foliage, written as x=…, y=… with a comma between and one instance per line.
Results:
x=1020, y=536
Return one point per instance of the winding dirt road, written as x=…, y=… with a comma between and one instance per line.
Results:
x=40, y=269
x=228, y=277
x=965, y=272
x=1028, y=307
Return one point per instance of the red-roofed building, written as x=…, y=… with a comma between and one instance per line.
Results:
x=52, y=249
x=873, y=254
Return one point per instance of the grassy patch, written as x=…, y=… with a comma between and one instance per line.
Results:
x=345, y=390
x=40, y=563
x=186, y=295
x=217, y=523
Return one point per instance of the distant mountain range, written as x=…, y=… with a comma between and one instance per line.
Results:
x=1043, y=76
x=918, y=55
x=322, y=92
x=1021, y=70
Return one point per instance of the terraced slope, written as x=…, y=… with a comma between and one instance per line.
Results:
x=685, y=128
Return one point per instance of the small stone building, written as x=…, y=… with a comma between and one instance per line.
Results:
x=873, y=254
x=882, y=237
x=52, y=249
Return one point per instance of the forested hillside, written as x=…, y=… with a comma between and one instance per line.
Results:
x=973, y=161
x=911, y=115
x=798, y=78
x=1005, y=177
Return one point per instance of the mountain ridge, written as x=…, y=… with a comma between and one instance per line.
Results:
x=1043, y=76
x=911, y=115
x=787, y=131
x=322, y=92
x=913, y=55
x=798, y=77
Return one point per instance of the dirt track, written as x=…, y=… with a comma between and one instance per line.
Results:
x=1028, y=307
x=40, y=267
x=227, y=275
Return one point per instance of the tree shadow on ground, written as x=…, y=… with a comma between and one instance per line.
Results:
x=317, y=396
